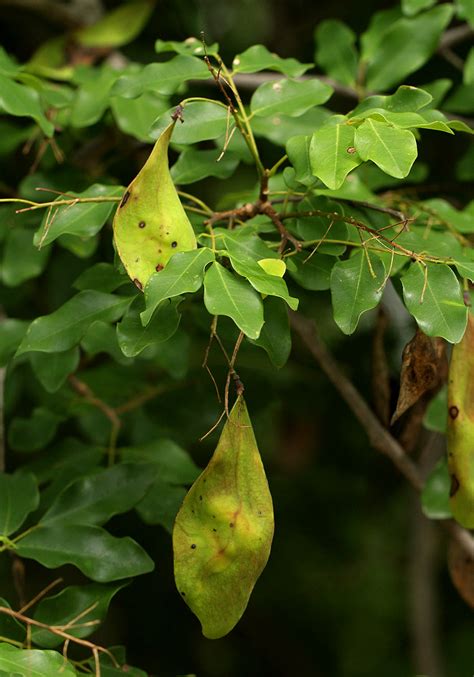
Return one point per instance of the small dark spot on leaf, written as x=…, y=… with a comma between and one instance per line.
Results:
x=142, y=224
x=204, y=480
x=183, y=593
x=454, y=486
x=138, y=284
x=124, y=199
x=200, y=498
x=213, y=517
x=259, y=512
x=453, y=412
x=231, y=524
x=159, y=267
x=174, y=244
x=215, y=530
x=193, y=546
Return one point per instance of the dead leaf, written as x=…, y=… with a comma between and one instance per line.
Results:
x=423, y=369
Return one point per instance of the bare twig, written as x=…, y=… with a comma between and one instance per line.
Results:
x=456, y=35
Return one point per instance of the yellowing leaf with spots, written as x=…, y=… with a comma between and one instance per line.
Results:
x=460, y=436
x=150, y=224
x=223, y=532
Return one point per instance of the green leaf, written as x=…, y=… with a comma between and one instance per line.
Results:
x=297, y=149
x=313, y=271
x=10, y=627
x=280, y=128
x=101, y=277
x=33, y=663
x=21, y=260
x=435, y=494
x=194, y=165
x=100, y=556
x=31, y=434
x=118, y=27
x=258, y=58
x=8, y=66
x=183, y=273
x=354, y=290
x=98, y=497
x=320, y=230
x=133, y=337
x=93, y=94
x=64, y=328
x=244, y=263
x=203, y=121
x=433, y=296
x=461, y=100
x=412, y=7
x=436, y=417
x=468, y=73
x=53, y=370
x=102, y=338
x=393, y=150
x=11, y=334
x=463, y=221
x=227, y=294
x=288, y=97
x=335, y=51
x=161, y=503
x=275, y=337
x=84, y=219
x=403, y=46
x=136, y=116
x=23, y=101
x=465, y=10
x=163, y=78
x=332, y=154
x=173, y=464
x=67, y=609
x=192, y=46
x=19, y=496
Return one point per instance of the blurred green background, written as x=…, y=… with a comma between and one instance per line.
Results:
x=354, y=565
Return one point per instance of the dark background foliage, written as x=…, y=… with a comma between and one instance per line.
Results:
x=343, y=585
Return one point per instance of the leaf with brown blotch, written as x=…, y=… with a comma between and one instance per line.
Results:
x=460, y=435
x=223, y=532
x=423, y=369
x=461, y=570
x=150, y=223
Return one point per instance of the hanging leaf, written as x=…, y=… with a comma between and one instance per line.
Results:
x=150, y=224
x=434, y=298
x=224, y=529
x=118, y=27
x=335, y=51
x=18, y=497
x=460, y=434
x=355, y=288
x=422, y=370
x=228, y=294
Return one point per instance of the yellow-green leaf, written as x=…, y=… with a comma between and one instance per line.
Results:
x=150, y=224
x=273, y=266
x=224, y=529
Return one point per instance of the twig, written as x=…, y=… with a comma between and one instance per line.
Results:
x=232, y=373
x=379, y=437
x=57, y=631
x=89, y=396
x=456, y=35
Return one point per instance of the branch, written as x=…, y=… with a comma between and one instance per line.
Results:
x=253, y=80
x=455, y=36
x=379, y=437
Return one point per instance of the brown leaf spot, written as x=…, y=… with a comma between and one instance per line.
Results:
x=351, y=150
x=453, y=412
x=138, y=284
x=231, y=524
x=193, y=546
x=142, y=224
x=454, y=486
x=159, y=267
x=174, y=244
x=124, y=199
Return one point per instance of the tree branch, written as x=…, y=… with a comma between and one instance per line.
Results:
x=379, y=437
